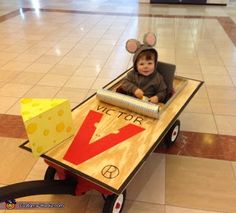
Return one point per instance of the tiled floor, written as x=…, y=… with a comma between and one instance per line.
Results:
x=68, y=49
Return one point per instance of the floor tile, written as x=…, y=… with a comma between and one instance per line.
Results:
x=71, y=61
x=142, y=207
x=38, y=171
x=187, y=61
x=110, y=73
x=231, y=70
x=61, y=69
x=2, y=84
x=199, y=105
x=39, y=67
x=202, y=145
x=81, y=54
x=87, y=71
x=226, y=124
x=36, y=52
x=56, y=51
x=15, y=66
x=234, y=168
x=197, y=76
x=53, y=80
x=229, y=61
x=95, y=204
x=223, y=107
x=173, y=209
x=91, y=92
x=167, y=59
x=219, y=70
x=116, y=63
x=7, y=75
x=202, y=92
x=12, y=126
x=217, y=80
x=210, y=61
x=188, y=69
x=7, y=56
x=6, y=103
x=19, y=162
x=41, y=91
x=27, y=57
x=100, y=83
x=95, y=63
x=19, y=48
x=14, y=90
x=205, y=50
x=234, y=80
x=80, y=82
x=98, y=54
x=183, y=174
x=149, y=184
x=198, y=122
x=221, y=92
x=3, y=62
x=27, y=78
x=73, y=94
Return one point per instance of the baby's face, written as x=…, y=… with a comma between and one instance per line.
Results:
x=145, y=67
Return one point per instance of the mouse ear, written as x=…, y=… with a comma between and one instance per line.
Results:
x=132, y=45
x=149, y=39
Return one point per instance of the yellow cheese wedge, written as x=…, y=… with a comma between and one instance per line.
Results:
x=48, y=122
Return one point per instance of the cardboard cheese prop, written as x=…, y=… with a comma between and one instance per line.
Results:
x=47, y=122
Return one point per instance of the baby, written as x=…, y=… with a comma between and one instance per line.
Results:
x=144, y=80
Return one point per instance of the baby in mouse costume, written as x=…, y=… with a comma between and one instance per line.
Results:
x=144, y=80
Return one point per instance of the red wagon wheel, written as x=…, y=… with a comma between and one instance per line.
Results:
x=114, y=203
x=172, y=134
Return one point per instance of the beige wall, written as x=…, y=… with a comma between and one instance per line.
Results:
x=217, y=1
x=144, y=1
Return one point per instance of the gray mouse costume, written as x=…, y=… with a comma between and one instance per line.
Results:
x=151, y=85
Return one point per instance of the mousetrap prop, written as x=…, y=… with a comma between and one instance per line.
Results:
x=130, y=103
x=112, y=138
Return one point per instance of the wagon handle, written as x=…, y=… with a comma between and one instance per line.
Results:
x=37, y=187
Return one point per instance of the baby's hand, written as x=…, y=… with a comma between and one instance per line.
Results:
x=138, y=93
x=154, y=99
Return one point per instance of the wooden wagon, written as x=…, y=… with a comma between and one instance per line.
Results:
x=110, y=145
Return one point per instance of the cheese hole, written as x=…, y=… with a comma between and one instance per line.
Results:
x=60, y=112
x=68, y=129
x=31, y=128
x=46, y=132
x=60, y=127
x=39, y=149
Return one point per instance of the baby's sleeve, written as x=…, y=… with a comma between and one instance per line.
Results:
x=129, y=84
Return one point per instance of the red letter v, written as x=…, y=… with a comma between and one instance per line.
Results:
x=80, y=150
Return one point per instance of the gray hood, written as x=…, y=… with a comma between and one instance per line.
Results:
x=142, y=49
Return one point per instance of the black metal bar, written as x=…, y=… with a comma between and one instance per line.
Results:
x=36, y=188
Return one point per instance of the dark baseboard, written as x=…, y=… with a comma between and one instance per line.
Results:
x=193, y=2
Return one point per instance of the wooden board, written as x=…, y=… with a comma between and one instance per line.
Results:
x=113, y=166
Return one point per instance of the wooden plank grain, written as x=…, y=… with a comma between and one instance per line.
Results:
x=124, y=159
